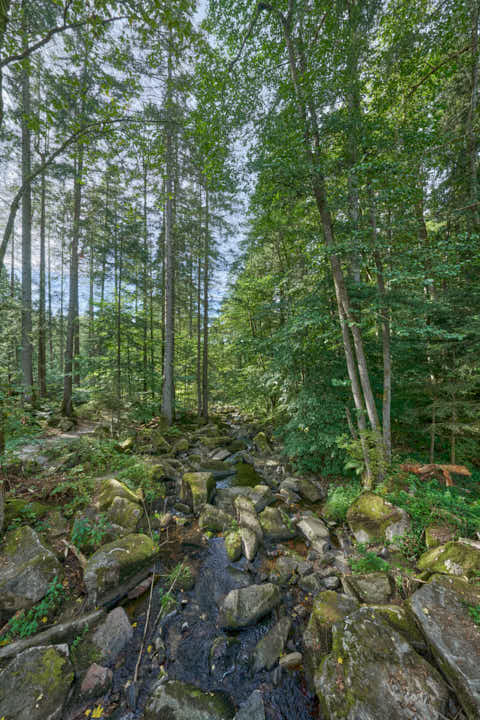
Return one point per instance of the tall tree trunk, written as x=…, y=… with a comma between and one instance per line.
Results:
x=145, y=277
x=206, y=258
x=72, y=320
x=42, y=354
x=4, y=10
x=27, y=347
x=472, y=109
x=199, y=336
x=168, y=391
x=49, y=295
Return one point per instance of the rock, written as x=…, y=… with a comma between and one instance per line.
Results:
x=331, y=583
x=268, y=650
x=127, y=445
x=56, y=523
x=113, y=635
x=180, y=446
x=372, y=672
x=316, y=532
x=197, y=489
x=178, y=701
x=369, y=588
x=24, y=509
x=249, y=541
x=97, y=682
x=313, y=583
x=112, y=488
x=162, y=472
x=328, y=608
x=402, y=620
x=438, y=535
x=253, y=708
x=468, y=591
x=36, y=684
x=292, y=660
x=309, y=490
x=260, y=495
x=124, y=513
x=214, y=519
x=285, y=570
x=233, y=545
x=244, y=606
x=159, y=444
x=27, y=567
x=460, y=557
x=371, y=518
x=117, y=561
x=454, y=641
x=220, y=454
x=276, y=525
x=247, y=517
x=261, y=443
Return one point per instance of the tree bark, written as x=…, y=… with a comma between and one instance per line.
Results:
x=206, y=259
x=42, y=369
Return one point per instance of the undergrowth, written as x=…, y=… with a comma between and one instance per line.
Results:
x=28, y=622
x=339, y=499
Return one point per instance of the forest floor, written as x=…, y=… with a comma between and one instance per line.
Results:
x=230, y=570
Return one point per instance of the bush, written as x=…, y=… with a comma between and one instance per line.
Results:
x=339, y=499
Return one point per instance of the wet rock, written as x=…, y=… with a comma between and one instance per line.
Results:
x=292, y=660
x=372, y=672
x=222, y=654
x=276, y=525
x=371, y=518
x=244, y=606
x=233, y=545
x=268, y=650
x=316, y=532
x=262, y=443
x=112, y=488
x=438, y=535
x=454, y=640
x=249, y=542
x=124, y=513
x=329, y=607
x=253, y=708
x=369, y=588
x=97, y=681
x=117, y=561
x=214, y=519
x=179, y=701
x=197, y=489
x=454, y=558
x=36, y=684
x=113, y=635
x=27, y=567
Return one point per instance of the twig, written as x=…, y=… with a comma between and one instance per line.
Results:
x=434, y=69
x=79, y=555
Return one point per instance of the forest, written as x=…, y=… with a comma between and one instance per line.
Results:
x=239, y=332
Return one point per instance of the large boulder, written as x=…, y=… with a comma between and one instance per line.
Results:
x=27, y=567
x=213, y=519
x=197, y=489
x=253, y=708
x=36, y=684
x=328, y=608
x=124, y=513
x=371, y=519
x=276, y=525
x=373, y=673
x=316, y=532
x=438, y=535
x=460, y=557
x=260, y=495
x=262, y=443
x=369, y=588
x=178, y=701
x=268, y=650
x=116, y=562
x=233, y=545
x=244, y=606
x=454, y=641
x=112, y=488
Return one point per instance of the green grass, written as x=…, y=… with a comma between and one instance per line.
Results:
x=339, y=499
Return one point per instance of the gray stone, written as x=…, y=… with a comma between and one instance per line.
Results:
x=178, y=701
x=124, y=513
x=27, y=568
x=369, y=588
x=373, y=519
x=249, y=541
x=316, y=532
x=292, y=660
x=197, y=489
x=113, y=635
x=310, y=490
x=454, y=640
x=36, y=684
x=270, y=647
x=253, y=708
x=276, y=525
x=213, y=519
x=97, y=681
x=260, y=495
x=244, y=606
x=372, y=673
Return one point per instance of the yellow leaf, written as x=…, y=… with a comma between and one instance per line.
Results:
x=149, y=649
x=98, y=712
x=44, y=619
x=340, y=661
x=88, y=712
x=134, y=624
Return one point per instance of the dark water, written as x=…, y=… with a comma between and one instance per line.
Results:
x=189, y=634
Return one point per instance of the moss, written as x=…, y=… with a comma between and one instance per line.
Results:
x=50, y=673
x=233, y=545
x=401, y=619
x=370, y=515
x=112, y=488
x=453, y=558
x=24, y=509
x=468, y=592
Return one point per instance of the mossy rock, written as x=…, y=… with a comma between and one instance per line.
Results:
x=460, y=557
x=116, y=562
x=24, y=509
x=469, y=591
x=262, y=443
x=112, y=488
x=436, y=535
x=36, y=684
x=127, y=445
x=375, y=587
x=124, y=513
x=213, y=442
x=159, y=443
x=245, y=606
x=372, y=672
x=214, y=519
x=197, y=489
x=276, y=525
x=179, y=701
x=371, y=519
x=402, y=620
x=233, y=545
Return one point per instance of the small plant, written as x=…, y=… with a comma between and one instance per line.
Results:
x=88, y=534
x=27, y=623
x=368, y=562
x=339, y=499
x=474, y=611
x=353, y=448
x=78, y=639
